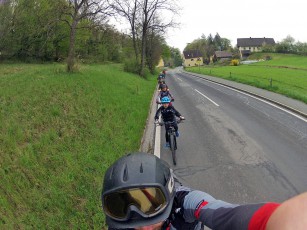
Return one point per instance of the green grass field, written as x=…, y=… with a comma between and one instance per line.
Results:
x=288, y=74
x=282, y=60
x=58, y=134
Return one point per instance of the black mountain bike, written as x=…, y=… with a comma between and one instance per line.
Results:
x=172, y=137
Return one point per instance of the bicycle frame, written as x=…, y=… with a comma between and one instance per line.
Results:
x=172, y=137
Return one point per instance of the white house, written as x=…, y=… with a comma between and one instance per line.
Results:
x=248, y=45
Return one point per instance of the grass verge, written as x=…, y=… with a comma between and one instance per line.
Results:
x=59, y=132
x=284, y=75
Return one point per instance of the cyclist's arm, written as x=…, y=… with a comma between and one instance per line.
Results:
x=176, y=112
x=158, y=113
x=291, y=214
x=217, y=214
x=171, y=96
x=158, y=97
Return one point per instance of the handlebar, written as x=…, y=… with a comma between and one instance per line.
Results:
x=170, y=122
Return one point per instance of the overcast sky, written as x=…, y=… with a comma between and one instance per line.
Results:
x=234, y=19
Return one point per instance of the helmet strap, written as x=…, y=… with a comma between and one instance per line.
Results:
x=166, y=224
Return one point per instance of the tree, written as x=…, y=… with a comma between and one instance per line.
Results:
x=31, y=27
x=128, y=9
x=6, y=15
x=286, y=45
x=153, y=50
x=145, y=23
x=288, y=40
x=217, y=40
x=75, y=11
x=301, y=48
x=150, y=20
x=176, y=56
x=207, y=45
x=226, y=44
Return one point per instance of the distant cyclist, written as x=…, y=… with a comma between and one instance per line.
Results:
x=161, y=76
x=164, y=93
x=141, y=192
x=164, y=72
x=161, y=84
x=169, y=114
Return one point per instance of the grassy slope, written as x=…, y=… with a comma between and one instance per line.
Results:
x=288, y=74
x=284, y=60
x=58, y=135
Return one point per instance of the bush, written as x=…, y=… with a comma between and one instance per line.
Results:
x=235, y=62
x=131, y=66
x=268, y=57
x=147, y=73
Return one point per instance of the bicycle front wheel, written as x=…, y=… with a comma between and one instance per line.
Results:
x=173, y=145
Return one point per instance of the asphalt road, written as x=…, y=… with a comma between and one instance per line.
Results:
x=236, y=147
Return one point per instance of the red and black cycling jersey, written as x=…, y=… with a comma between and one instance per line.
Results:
x=168, y=114
x=192, y=209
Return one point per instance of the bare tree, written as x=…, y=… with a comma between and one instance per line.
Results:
x=144, y=16
x=75, y=11
x=129, y=9
x=150, y=11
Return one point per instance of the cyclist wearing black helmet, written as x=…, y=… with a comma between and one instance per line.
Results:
x=162, y=84
x=141, y=192
x=164, y=93
x=169, y=114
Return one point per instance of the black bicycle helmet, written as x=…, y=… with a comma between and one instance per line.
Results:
x=162, y=86
x=138, y=190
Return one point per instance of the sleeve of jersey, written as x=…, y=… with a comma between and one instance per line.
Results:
x=157, y=113
x=176, y=112
x=158, y=97
x=217, y=214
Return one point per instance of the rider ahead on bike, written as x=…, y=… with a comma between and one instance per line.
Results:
x=169, y=114
x=140, y=191
x=161, y=76
x=164, y=93
x=162, y=84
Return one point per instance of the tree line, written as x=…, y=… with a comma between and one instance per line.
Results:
x=288, y=45
x=207, y=45
x=79, y=31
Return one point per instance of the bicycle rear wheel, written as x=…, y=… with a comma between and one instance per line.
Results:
x=173, y=145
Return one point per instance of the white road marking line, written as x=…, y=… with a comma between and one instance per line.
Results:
x=158, y=141
x=157, y=149
x=276, y=106
x=180, y=79
x=206, y=97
